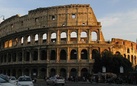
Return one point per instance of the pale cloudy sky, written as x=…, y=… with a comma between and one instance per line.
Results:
x=118, y=17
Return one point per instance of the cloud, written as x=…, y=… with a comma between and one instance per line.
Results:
x=120, y=25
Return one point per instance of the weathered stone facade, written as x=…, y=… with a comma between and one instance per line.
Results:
x=56, y=40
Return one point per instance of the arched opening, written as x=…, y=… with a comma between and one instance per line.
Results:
x=84, y=54
x=8, y=72
x=36, y=38
x=53, y=55
x=84, y=73
x=63, y=72
x=28, y=39
x=27, y=58
x=73, y=72
x=35, y=56
x=20, y=56
x=9, y=57
x=14, y=57
x=44, y=37
x=26, y=72
x=43, y=55
x=34, y=73
x=52, y=72
x=63, y=37
x=63, y=55
x=93, y=36
x=73, y=36
x=13, y=72
x=83, y=37
x=19, y=72
x=22, y=40
x=43, y=73
x=73, y=55
x=118, y=53
x=95, y=53
x=128, y=58
x=53, y=37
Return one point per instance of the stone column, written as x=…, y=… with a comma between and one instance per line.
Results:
x=58, y=37
x=47, y=71
x=89, y=36
x=78, y=36
x=57, y=55
x=68, y=55
x=38, y=54
x=48, y=55
x=79, y=55
x=90, y=55
x=68, y=36
x=48, y=37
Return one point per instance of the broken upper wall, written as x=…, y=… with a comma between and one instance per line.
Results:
x=57, y=16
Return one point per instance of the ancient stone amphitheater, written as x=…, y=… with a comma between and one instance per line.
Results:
x=56, y=40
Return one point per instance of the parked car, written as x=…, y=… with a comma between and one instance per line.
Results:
x=13, y=80
x=4, y=81
x=25, y=81
x=55, y=80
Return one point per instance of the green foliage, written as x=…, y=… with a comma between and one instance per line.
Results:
x=112, y=62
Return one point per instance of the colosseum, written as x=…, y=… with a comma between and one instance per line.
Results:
x=56, y=40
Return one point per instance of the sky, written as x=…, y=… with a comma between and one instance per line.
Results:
x=118, y=17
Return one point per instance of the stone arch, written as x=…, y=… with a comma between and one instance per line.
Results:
x=44, y=37
x=83, y=36
x=84, y=54
x=63, y=72
x=73, y=36
x=36, y=37
x=63, y=55
x=35, y=55
x=73, y=54
x=73, y=72
x=128, y=57
x=9, y=57
x=53, y=55
x=118, y=53
x=28, y=39
x=95, y=53
x=128, y=50
x=52, y=72
x=14, y=57
x=84, y=72
x=34, y=73
x=124, y=55
x=43, y=55
x=26, y=72
x=14, y=72
x=19, y=72
x=8, y=72
x=94, y=36
x=27, y=57
x=43, y=73
x=22, y=40
x=20, y=56
x=53, y=37
x=63, y=36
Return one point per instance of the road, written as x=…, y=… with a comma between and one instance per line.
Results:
x=43, y=83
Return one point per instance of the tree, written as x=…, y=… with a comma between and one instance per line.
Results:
x=112, y=62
